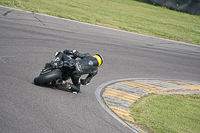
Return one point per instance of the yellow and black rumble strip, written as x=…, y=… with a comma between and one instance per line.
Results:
x=120, y=95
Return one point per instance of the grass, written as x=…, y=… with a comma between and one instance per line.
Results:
x=129, y=15
x=168, y=113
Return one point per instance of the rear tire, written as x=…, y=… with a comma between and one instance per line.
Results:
x=47, y=77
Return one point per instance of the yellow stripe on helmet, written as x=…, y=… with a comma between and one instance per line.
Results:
x=98, y=59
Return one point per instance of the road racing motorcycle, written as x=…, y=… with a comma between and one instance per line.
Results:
x=54, y=74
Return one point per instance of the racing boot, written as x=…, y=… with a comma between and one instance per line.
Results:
x=70, y=87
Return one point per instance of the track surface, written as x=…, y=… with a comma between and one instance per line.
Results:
x=28, y=41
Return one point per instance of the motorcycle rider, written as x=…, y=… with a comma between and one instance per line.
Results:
x=87, y=64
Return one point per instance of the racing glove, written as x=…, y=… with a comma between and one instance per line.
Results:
x=71, y=52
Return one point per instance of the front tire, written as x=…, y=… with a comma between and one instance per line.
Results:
x=47, y=77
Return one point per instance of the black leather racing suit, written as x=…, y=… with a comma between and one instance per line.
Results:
x=86, y=65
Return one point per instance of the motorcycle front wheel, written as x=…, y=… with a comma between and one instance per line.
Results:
x=48, y=77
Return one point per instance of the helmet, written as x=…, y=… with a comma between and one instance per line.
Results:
x=99, y=59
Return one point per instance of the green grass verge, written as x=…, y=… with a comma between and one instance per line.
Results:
x=168, y=113
x=128, y=15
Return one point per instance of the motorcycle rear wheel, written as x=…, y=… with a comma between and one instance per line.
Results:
x=47, y=77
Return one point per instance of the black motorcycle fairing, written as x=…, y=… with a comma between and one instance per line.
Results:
x=48, y=77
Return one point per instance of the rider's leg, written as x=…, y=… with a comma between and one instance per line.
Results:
x=76, y=83
x=75, y=87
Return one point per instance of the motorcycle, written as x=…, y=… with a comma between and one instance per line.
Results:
x=54, y=75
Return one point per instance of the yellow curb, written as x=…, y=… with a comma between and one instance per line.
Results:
x=123, y=113
x=120, y=94
x=185, y=84
x=143, y=86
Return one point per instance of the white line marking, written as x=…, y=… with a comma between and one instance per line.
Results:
x=5, y=57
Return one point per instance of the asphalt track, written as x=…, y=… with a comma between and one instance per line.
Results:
x=29, y=40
